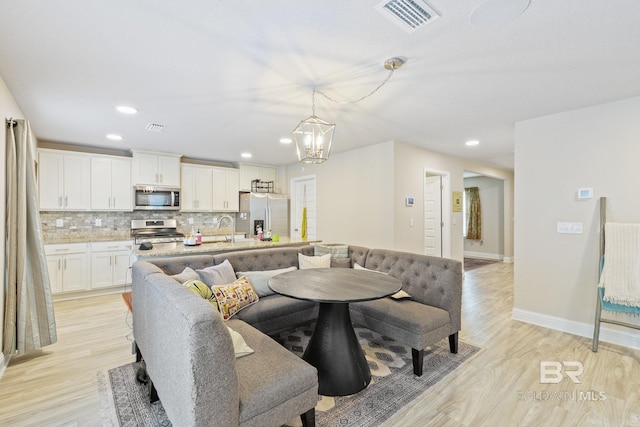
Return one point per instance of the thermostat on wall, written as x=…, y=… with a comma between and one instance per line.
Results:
x=409, y=201
x=585, y=193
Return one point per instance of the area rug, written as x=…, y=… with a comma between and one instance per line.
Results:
x=125, y=402
x=473, y=263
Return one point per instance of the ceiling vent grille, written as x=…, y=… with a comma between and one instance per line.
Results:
x=154, y=127
x=410, y=15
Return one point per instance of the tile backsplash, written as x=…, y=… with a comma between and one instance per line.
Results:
x=81, y=226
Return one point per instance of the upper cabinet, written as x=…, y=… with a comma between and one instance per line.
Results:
x=63, y=180
x=196, y=191
x=111, y=183
x=151, y=168
x=226, y=189
x=249, y=173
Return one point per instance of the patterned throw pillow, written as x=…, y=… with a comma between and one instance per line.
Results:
x=227, y=299
x=233, y=297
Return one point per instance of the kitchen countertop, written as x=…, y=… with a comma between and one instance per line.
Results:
x=178, y=249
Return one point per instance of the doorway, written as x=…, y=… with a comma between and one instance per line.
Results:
x=303, y=195
x=437, y=201
x=492, y=243
x=433, y=215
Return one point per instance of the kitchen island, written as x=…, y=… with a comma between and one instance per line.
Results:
x=180, y=249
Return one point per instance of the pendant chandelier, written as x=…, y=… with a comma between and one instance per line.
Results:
x=314, y=136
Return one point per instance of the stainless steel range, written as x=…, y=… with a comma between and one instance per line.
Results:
x=155, y=231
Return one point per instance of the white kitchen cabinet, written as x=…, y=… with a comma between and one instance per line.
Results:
x=110, y=262
x=111, y=187
x=151, y=168
x=68, y=265
x=196, y=188
x=250, y=172
x=226, y=187
x=63, y=180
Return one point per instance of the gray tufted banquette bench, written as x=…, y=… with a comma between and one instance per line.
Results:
x=166, y=315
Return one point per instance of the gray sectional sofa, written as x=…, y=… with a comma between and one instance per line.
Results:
x=188, y=352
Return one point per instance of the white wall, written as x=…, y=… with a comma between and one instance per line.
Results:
x=353, y=193
x=556, y=274
x=491, y=192
x=361, y=195
x=8, y=109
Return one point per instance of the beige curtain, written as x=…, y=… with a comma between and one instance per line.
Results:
x=473, y=213
x=29, y=322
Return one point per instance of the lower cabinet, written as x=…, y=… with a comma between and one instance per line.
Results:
x=110, y=263
x=76, y=267
x=68, y=265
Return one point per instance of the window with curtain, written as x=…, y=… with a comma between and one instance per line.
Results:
x=473, y=216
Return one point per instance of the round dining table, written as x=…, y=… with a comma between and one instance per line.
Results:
x=333, y=348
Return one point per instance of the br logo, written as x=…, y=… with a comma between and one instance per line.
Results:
x=552, y=372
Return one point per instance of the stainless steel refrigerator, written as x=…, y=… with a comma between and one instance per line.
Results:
x=269, y=211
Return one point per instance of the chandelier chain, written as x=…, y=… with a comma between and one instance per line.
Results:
x=354, y=101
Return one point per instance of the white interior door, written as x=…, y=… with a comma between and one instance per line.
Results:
x=433, y=216
x=303, y=193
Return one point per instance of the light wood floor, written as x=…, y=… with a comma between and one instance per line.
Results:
x=499, y=387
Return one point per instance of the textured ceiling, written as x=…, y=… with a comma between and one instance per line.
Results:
x=232, y=76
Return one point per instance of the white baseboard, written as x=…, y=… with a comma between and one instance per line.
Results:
x=625, y=338
x=508, y=259
x=483, y=255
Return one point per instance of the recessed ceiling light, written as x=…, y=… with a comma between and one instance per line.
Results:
x=472, y=143
x=246, y=155
x=114, y=137
x=125, y=109
x=286, y=140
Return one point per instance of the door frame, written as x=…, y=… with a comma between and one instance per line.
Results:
x=445, y=197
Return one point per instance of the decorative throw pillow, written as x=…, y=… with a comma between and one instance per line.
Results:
x=199, y=288
x=305, y=261
x=227, y=299
x=231, y=298
x=260, y=279
x=357, y=266
x=398, y=295
x=240, y=347
x=186, y=275
x=340, y=262
x=217, y=275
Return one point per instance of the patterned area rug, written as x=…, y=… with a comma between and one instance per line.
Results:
x=125, y=402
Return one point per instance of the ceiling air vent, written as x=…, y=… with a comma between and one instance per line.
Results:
x=154, y=127
x=410, y=15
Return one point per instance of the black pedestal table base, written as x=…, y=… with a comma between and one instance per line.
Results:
x=335, y=352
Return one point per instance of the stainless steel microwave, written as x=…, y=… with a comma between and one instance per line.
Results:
x=156, y=198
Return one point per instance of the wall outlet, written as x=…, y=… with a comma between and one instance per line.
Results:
x=98, y=222
x=190, y=221
x=59, y=222
x=569, y=227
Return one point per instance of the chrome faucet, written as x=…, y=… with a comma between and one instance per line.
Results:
x=233, y=228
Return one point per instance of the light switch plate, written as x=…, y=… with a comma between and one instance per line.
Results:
x=569, y=227
x=59, y=222
x=98, y=222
